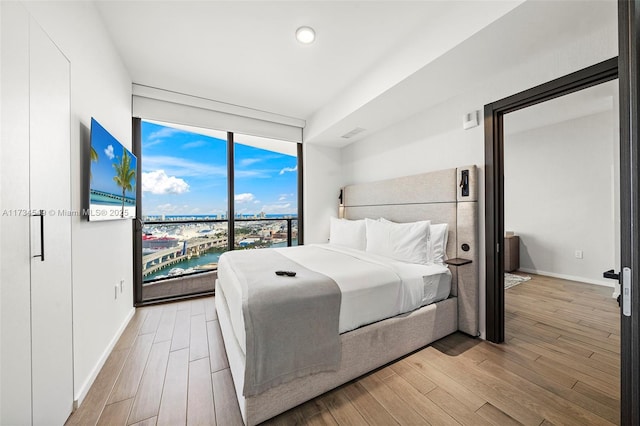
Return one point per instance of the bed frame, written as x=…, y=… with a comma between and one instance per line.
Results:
x=444, y=196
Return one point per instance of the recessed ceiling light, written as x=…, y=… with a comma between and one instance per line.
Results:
x=305, y=35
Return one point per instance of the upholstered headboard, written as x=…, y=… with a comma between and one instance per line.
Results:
x=444, y=196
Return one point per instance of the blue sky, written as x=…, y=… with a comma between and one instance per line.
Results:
x=109, y=152
x=185, y=173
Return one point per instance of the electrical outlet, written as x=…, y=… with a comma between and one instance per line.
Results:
x=121, y=285
x=579, y=254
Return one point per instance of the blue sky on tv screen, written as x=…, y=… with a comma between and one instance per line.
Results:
x=109, y=152
x=185, y=173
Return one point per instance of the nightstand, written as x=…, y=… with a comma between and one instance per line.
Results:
x=511, y=253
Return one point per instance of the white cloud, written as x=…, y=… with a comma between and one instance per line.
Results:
x=158, y=182
x=282, y=198
x=244, y=198
x=166, y=208
x=194, y=144
x=257, y=174
x=177, y=166
x=245, y=162
x=289, y=169
x=165, y=132
x=159, y=136
x=277, y=208
x=109, y=152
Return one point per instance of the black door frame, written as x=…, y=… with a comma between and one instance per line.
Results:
x=629, y=70
x=494, y=175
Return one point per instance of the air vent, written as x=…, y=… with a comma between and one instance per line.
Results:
x=353, y=132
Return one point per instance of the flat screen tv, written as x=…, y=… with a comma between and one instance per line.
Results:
x=112, y=178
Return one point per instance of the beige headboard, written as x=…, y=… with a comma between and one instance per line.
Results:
x=436, y=196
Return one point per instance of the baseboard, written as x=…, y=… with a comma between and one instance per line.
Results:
x=84, y=389
x=569, y=277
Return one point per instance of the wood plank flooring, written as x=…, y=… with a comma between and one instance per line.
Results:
x=559, y=365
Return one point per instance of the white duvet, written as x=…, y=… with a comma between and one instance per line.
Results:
x=373, y=287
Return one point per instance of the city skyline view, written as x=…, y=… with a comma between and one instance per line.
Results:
x=185, y=173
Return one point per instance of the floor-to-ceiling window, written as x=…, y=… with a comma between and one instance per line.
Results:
x=266, y=192
x=184, y=199
x=187, y=177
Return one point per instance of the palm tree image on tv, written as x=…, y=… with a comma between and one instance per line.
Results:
x=94, y=158
x=125, y=176
x=112, y=177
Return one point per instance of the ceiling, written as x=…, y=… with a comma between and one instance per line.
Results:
x=367, y=68
x=245, y=52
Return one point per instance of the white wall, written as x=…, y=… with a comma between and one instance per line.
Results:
x=322, y=183
x=1, y=208
x=558, y=195
x=434, y=139
x=102, y=251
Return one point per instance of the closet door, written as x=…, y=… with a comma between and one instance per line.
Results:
x=50, y=193
x=15, y=275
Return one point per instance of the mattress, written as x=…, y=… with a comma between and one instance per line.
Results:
x=373, y=287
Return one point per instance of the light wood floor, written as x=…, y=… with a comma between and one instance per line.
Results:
x=560, y=365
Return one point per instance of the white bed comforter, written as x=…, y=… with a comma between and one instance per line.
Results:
x=373, y=287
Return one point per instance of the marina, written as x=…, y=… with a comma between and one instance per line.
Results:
x=185, y=247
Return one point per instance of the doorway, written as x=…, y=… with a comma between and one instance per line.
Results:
x=494, y=176
x=629, y=216
x=561, y=202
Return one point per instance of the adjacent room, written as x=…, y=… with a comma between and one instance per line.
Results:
x=318, y=212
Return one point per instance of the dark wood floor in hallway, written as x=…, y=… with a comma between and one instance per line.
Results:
x=559, y=365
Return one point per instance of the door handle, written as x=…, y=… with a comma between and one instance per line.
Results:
x=41, y=255
x=611, y=274
x=626, y=292
x=624, y=278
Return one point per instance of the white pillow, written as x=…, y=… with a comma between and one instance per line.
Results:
x=348, y=233
x=438, y=242
x=408, y=242
x=437, y=245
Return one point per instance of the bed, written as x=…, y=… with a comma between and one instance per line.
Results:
x=411, y=306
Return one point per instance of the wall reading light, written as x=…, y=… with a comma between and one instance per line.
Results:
x=340, y=197
x=464, y=183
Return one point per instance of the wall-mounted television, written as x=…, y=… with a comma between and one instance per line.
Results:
x=112, y=177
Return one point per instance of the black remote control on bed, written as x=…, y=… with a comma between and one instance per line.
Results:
x=287, y=273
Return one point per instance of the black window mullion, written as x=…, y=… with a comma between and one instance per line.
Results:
x=300, y=196
x=136, y=141
x=231, y=231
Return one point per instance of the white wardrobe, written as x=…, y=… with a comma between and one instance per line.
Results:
x=36, y=352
